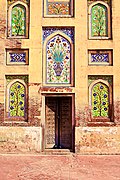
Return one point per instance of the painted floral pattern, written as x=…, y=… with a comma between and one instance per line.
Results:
x=58, y=60
x=100, y=100
x=18, y=20
x=17, y=100
x=99, y=20
x=58, y=8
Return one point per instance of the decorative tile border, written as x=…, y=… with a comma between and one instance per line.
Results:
x=100, y=57
x=17, y=56
x=18, y=19
x=69, y=31
x=108, y=78
x=10, y=78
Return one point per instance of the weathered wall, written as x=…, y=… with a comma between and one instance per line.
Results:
x=20, y=139
x=16, y=136
x=100, y=140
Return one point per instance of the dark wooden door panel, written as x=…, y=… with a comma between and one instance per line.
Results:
x=50, y=122
x=66, y=123
x=58, y=129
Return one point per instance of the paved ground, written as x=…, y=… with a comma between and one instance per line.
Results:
x=70, y=167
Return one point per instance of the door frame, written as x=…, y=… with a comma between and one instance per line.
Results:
x=43, y=122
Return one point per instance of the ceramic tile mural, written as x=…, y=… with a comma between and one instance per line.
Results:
x=58, y=60
x=16, y=95
x=58, y=54
x=18, y=20
x=17, y=100
x=100, y=100
x=66, y=30
x=99, y=57
x=99, y=20
x=18, y=57
x=58, y=7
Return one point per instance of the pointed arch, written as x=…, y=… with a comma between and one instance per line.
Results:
x=100, y=99
x=18, y=14
x=57, y=63
x=58, y=32
x=16, y=100
x=99, y=20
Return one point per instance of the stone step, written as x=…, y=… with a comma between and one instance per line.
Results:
x=56, y=152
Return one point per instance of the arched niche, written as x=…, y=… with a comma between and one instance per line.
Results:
x=100, y=99
x=99, y=20
x=57, y=60
x=18, y=15
x=16, y=101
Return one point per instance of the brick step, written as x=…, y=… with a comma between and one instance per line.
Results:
x=57, y=152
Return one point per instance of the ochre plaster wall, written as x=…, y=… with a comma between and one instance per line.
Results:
x=95, y=140
x=20, y=139
x=100, y=140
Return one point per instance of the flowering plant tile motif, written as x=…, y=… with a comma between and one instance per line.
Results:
x=58, y=60
x=17, y=100
x=100, y=57
x=18, y=20
x=99, y=20
x=18, y=57
x=100, y=100
x=56, y=8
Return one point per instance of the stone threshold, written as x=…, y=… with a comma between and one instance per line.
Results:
x=57, y=151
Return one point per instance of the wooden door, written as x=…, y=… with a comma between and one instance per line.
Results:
x=66, y=122
x=58, y=129
x=50, y=111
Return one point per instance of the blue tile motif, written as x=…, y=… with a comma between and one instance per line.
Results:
x=100, y=57
x=18, y=57
x=48, y=31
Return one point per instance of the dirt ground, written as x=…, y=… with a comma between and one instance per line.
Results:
x=59, y=167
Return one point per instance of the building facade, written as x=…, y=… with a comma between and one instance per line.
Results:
x=59, y=76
